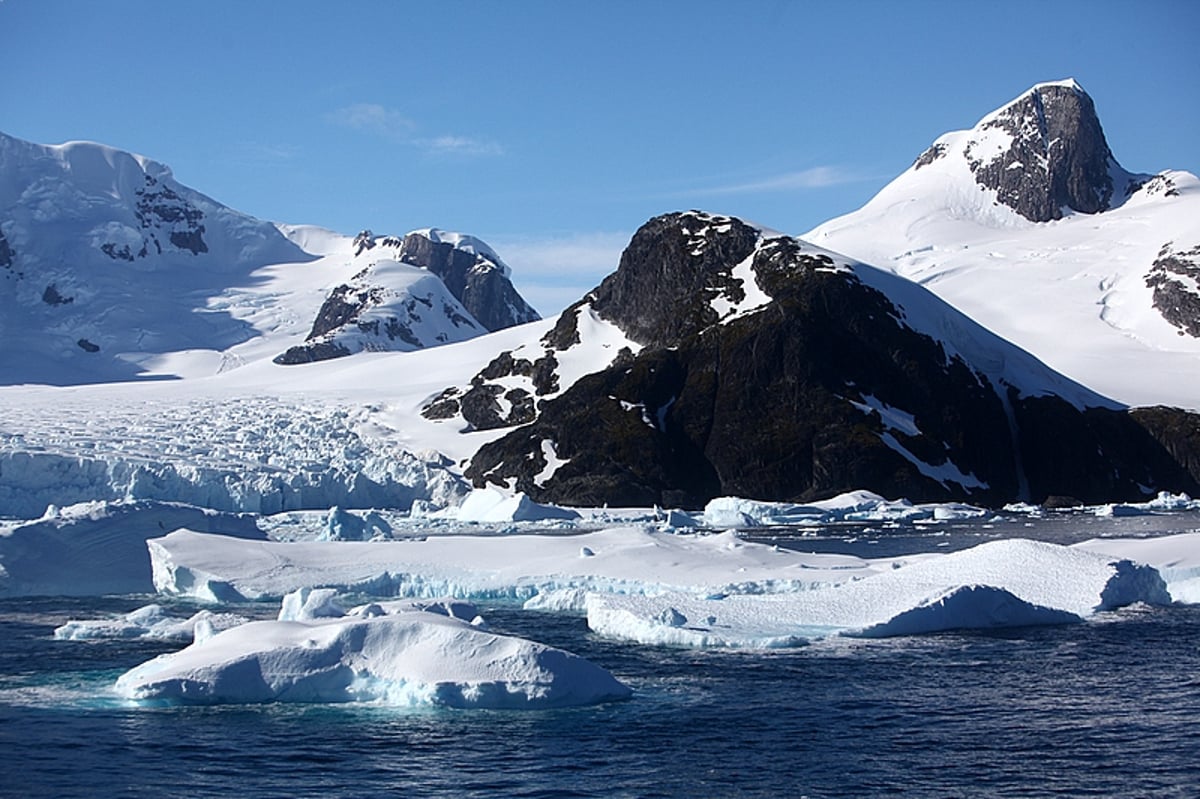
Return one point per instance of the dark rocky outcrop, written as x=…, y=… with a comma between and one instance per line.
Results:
x=825, y=389
x=51, y=296
x=6, y=254
x=475, y=280
x=1173, y=277
x=1058, y=157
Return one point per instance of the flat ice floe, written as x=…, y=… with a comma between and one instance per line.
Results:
x=998, y=584
x=652, y=586
x=393, y=653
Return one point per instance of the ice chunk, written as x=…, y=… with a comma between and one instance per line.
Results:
x=305, y=604
x=968, y=607
x=406, y=657
x=1176, y=558
x=491, y=505
x=151, y=621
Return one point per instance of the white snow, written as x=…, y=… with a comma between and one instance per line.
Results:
x=387, y=654
x=1072, y=291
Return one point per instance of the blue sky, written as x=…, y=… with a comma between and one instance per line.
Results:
x=554, y=129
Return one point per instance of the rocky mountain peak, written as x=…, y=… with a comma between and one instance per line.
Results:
x=1046, y=151
x=673, y=268
x=472, y=272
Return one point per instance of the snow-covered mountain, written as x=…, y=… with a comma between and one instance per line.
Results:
x=725, y=359
x=111, y=269
x=427, y=288
x=1029, y=225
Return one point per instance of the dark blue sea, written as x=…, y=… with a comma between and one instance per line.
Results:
x=1106, y=708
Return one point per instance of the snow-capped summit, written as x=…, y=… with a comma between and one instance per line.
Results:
x=105, y=258
x=1042, y=153
x=1028, y=224
x=427, y=288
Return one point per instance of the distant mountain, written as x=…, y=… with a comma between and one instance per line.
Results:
x=1029, y=224
x=110, y=269
x=427, y=288
x=724, y=359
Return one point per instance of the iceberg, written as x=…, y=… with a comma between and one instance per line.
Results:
x=1005, y=583
x=149, y=622
x=390, y=654
x=96, y=548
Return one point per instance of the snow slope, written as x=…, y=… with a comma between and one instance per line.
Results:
x=113, y=270
x=1072, y=291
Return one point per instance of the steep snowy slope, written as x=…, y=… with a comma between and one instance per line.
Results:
x=112, y=270
x=1029, y=225
x=105, y=257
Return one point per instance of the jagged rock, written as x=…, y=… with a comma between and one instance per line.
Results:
x=474, y=278
x=823, y=389
x=1173, y=278
x=6, y=253
x=1057, y=158
x=51, y=296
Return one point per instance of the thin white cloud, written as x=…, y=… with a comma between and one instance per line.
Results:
x=460, y=145
x=817, y=177
x=252, y=152
x=554, y=271
x=374, y=118
x=393, y=124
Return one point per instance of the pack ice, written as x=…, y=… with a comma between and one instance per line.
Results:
x=661, y=587
x=394, y=653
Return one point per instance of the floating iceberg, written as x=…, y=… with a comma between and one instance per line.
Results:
x=619, y=560
x=388, y=653
x=98, y=548
x=858, y=506
x=151, y=621
x=998, y=584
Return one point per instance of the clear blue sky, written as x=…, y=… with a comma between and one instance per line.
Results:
x=553, y=129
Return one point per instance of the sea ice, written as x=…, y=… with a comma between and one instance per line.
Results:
x=150, y=621
x=385, y=653
x=98, y=548
x=1001, y=583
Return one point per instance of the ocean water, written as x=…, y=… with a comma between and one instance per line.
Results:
x=1105, y=708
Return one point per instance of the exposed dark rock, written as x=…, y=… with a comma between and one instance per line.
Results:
x=783, y=404
x=122, y=254
x=935, y=151
x=310, y=353
x=1058, y=157
x=7, y=256
x=1178, y=431
x=670, y=272
x=160, y=208
x=191, y=240
x=363, y=242
x=87, y=346
x=51, y=296
x=1173, y=278
x=480, y=285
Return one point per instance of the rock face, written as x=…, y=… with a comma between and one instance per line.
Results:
x=473, y=274
x=1044, y=152
x=774, y=370
x=424, y=289
x=1175, y=279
